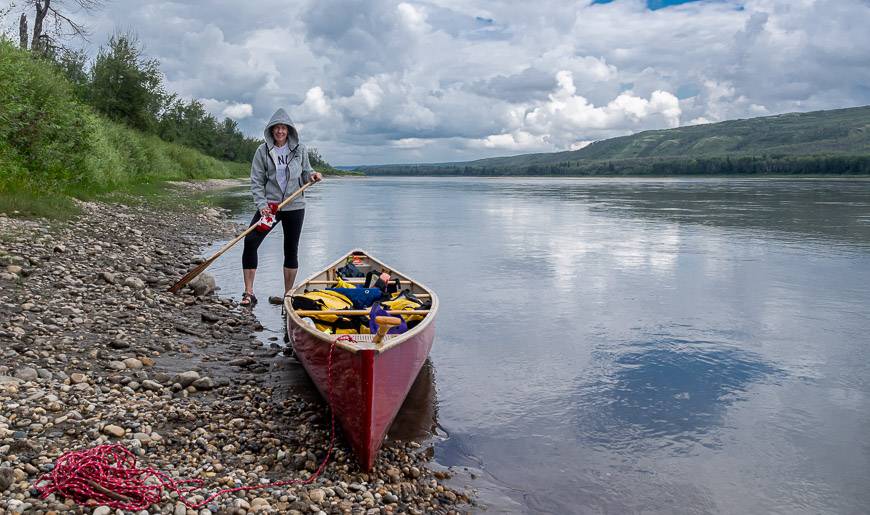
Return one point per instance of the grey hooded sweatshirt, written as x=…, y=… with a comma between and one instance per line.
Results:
x=264, y=172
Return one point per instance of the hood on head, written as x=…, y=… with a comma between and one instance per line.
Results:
x=281, y=117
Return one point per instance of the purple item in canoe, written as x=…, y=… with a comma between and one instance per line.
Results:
x=378, y=311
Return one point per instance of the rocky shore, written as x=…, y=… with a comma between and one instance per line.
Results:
x=93, y=350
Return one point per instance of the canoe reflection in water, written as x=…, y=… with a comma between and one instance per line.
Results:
x=418, y=417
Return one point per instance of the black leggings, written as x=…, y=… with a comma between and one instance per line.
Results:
x=291, y=223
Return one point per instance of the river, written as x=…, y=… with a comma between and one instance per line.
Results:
x=622, y=345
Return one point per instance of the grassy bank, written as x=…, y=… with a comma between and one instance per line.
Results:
x=54, y=147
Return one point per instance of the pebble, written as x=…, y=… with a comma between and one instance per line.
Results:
x=153, y=386
x=317, y=495
x=243, y=362
x=6, y=478
x=133, y=364
x=119, y=344
x=26, y=374
x=142, y=437
x=260, y=504
x=113, y=430
x=203, y=284
x=135, y=283
x=203, y=383
x=95, y=351
x=186, y=379
x=210, y=318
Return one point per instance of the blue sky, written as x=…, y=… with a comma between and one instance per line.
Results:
x=398, y=81
x=653, y=4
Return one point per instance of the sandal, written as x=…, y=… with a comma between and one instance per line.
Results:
x=248, y=299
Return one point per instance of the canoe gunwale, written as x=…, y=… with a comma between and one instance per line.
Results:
x=348, y=346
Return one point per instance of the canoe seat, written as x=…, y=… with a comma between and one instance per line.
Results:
x=366, y=338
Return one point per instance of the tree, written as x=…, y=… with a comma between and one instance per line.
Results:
x=190, y=124
x=315, y=158
x=22, y=31
x=125, y=86
x=46, y=34
x=72, y=63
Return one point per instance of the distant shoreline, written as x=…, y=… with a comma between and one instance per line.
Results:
x=676, y=176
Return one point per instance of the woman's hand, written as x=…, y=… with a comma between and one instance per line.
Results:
x=316, y=177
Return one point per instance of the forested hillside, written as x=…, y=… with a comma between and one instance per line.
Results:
x=821, y=142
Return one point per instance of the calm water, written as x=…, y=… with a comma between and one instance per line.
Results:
x=623, y=345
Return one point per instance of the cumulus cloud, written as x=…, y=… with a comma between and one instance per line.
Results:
x=515, y=141
x=411, y=143
x=221, y=109
x=365, y=99
x=567, y=116
x=568, y=120
x=530, y=84
x=375, y=81
x=413, y=18
x=315, y=103
x=238, y=111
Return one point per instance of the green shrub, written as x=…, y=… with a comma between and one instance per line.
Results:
x=52, y=144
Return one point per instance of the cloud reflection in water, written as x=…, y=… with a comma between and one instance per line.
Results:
x=667, y=392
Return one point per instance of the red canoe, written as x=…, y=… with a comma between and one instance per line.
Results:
x=369, y=380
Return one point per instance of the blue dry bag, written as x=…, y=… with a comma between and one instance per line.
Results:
x=361, y=297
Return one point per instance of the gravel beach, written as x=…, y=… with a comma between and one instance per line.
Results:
x=93, y=350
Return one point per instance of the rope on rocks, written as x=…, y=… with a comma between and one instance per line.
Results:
x=107, y=474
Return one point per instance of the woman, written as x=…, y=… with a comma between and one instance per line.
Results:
x=280, y=167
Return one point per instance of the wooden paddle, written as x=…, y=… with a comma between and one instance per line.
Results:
x=189, y=276
x=384, y=325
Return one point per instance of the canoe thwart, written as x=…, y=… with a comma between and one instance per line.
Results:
x=357, y=312
x=352, y=281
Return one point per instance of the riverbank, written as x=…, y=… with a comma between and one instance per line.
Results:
x=95, y=351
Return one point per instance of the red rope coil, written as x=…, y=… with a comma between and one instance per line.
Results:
x=108, y=475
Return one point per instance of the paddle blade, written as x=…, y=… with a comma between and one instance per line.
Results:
x=189, y=276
